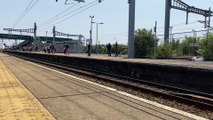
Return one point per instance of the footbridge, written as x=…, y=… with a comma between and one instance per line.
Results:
x=29, y=39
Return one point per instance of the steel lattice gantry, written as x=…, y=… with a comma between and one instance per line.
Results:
x=180, y=5
x=30, y=30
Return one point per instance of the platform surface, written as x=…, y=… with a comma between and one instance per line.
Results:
x=16, y=102
x=208, y=65
x=68, y=97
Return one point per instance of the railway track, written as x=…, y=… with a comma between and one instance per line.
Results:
x=196, y=99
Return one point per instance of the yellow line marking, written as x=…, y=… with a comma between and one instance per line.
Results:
x=16, y=102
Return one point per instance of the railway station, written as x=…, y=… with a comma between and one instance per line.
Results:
x=57, y=69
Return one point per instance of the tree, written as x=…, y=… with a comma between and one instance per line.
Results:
x=123, y=49
x=206, y=45
x=176, y=48
x=186, y=47
x=164, y=50
x=144, y=43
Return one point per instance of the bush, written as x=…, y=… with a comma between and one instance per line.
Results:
x=164, y=51
x=206, y=45
x=144, y=43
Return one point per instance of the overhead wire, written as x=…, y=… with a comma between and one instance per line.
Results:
x=23, y=13
x=160, y=34
x=178, y=25
x=114, y=34
x=21, y=18
x=183, y=32
x=56, y=16
x=93, y=4
x=178, y=38
x=67, y=14
x=180, y=35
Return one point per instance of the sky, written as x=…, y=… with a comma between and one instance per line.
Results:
x=113, y=13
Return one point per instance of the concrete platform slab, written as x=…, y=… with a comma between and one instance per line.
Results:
x=16, y=102
x=68, y=97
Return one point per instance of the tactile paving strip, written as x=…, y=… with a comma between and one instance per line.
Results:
x=16, y=102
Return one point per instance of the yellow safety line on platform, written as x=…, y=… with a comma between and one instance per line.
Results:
x=16, y=102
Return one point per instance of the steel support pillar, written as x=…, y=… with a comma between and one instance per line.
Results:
x=96, y=50
x=187, y=17
x=53, y=42
x=35, y=38
x=155, y=40
x=209, y=22
x=131, y=32
x=90, y=42
x=167, y=21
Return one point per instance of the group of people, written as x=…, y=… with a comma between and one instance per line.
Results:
x=50, y=49
x=109, y=49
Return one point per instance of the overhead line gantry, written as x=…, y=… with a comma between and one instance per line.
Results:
x=180, y=5
x=30, y=30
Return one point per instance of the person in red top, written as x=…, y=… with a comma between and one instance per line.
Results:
x=67, y=47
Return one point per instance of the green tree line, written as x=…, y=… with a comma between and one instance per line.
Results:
x=190, y=46
x=144, y=46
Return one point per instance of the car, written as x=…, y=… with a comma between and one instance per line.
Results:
x=197, y=58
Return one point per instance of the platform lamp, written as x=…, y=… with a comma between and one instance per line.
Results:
x=97, y=23
x=90, y=42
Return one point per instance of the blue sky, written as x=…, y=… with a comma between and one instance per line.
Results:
x=113, y=13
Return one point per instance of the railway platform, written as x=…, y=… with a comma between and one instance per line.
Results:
x=16, y=101
x=32, y=91
x=208, y=65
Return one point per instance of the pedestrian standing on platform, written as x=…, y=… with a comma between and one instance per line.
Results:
x=45, y=49
x=109, y=48
x=64, y=48
x=53, y=49
x=48, y=49
x=67, y=47
x=89, y=49
x=36, y=47
x=116, y=49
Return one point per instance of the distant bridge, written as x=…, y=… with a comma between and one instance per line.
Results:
x=29, y=39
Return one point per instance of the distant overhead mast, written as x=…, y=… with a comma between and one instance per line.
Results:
x=73, y=0
x=180, y=5
x=67, y=35
x=30, y=30
x=67, y=1
x=80, y=0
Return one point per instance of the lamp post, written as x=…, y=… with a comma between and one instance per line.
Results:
x=194, y=33
x=171, y=35
x=90, y=42
x=155, y=40
x=97, y=23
